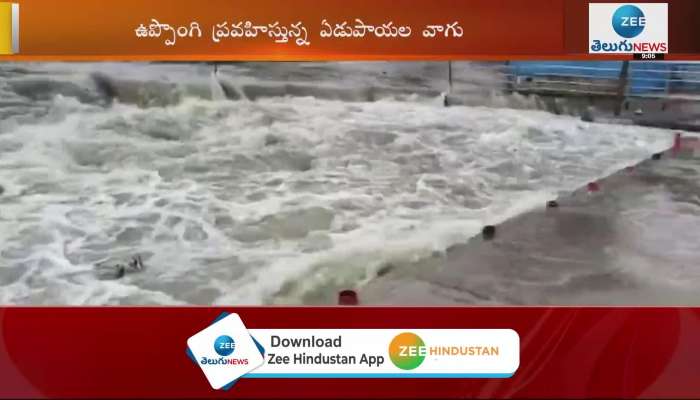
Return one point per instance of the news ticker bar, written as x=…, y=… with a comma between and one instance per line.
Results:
x=525, y=352
x=332, y=30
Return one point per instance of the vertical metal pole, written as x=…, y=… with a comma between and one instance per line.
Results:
x=510, y=78
x=449, y=76
x=445, y=100
x=622, y=87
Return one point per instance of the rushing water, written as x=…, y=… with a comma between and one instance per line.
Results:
x=238, y=187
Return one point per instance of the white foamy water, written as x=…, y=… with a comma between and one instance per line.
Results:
x=254, y=202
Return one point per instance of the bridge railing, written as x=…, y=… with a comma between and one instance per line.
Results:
x=643, y=79
x=590, y=78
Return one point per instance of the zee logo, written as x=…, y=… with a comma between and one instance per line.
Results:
x=615, y=28
x=224, y=345
x=629, y=21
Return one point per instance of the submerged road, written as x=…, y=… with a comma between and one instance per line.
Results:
x=633, y=242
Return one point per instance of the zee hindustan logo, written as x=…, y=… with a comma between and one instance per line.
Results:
x=628, y=21
x=407, y=351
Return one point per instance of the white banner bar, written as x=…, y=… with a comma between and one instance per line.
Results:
x=352, y=353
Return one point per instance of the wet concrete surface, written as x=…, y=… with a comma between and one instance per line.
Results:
x=636, y=241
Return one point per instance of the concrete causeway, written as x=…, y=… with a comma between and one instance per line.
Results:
x=634, y=241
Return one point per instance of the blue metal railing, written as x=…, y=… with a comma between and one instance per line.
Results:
x=644, y=78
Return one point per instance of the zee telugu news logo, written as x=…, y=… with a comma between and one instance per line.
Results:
x=224, y=346
x=628, y=28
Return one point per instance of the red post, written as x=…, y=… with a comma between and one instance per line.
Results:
x=348, y=298
x=676, y=143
